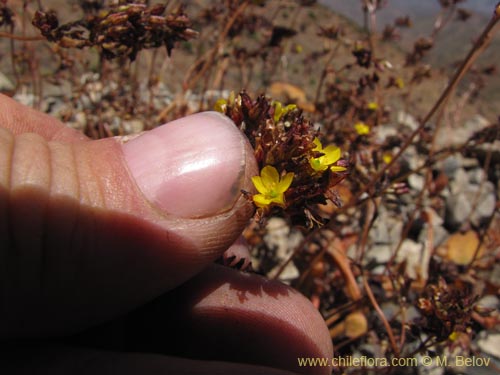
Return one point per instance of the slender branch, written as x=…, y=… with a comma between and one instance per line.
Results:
x=381, y=314
x=324, y=72
x=206, y=62
x=23, y=38
x=343, y=263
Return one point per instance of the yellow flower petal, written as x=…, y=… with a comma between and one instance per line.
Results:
x=278, y=109
x=387, y=157
x=361, y=128
x=285, y=183
x=261, y=200
x=220, y=105
x=270, y=177
x=337, y=168
x=259, y=185
x=317, y=165
x=319, y=146
x=332, y=154
x=280, y=199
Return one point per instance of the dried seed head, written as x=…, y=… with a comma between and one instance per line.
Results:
x=119, y=31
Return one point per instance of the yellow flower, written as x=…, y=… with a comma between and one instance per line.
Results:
x=400, y=83
x=279, y=111
x=361, y=128
x=271, y=187
x=221, y=105
x=372, y=106
x=387, y=157
x=331, y=154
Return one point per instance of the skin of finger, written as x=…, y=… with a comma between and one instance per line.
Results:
x=76, y=253
x=18, y=119
x=61, y=360
x=223, y=315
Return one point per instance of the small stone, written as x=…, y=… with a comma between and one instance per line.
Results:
x=95, y=91
x=88, y=77
x=434, y=220
x=477, y=176
x=469, y=200
x=477, y=122
x=461, y=248
x=385, y=131
x=433, y=368
x=434, y=217
x=439, y=235
x=80, y=120
x=458, y=209
x=489, y=302
x=25, y=98
x=460, y=134
x=460, y=181
x=390, y=310
x=289, y=273
x=406, y=119
x=416, y=181
x=114, y=122
x=386, y=229
x=451, y=164
x=277, y=231
x=355, y=324
x=133, y=126
x=280, y=238
x=410, y=252
x=483, y=199
x=380, y=253
x=490, y=344
x=412, y=157
x=469, y=163
x=85, y=101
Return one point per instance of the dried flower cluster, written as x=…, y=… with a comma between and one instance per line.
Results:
x=447, y=308
x=296, y=170
x=6, y=14
x=121, y=30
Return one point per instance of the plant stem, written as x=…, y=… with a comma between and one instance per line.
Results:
x=381, y=314
x=23, y=38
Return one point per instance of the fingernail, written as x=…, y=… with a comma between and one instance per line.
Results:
x=191, y=167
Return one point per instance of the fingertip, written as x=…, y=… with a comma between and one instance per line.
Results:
x=192, y=167
x=280, y=323
x=226, y=315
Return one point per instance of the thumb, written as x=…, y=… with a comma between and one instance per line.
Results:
x=91, y=229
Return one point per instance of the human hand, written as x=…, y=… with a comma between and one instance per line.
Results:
x=106, y=251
